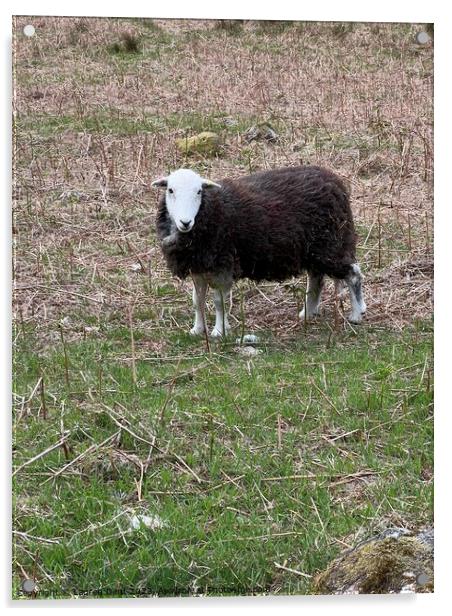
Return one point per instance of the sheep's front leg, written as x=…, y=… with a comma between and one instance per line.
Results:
x=354, y=283
x=315, y=285
x=199, y=304
x=220, y=294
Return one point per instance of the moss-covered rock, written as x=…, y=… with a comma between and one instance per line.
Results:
x=206, y=143
x=394, y=562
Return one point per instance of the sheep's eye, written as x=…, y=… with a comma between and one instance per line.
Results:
x=199, y=191
x=170, y=190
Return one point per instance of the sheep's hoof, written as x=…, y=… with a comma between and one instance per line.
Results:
x=310, y=315
x=196, y=331
x=356, y=319
x=216, y=333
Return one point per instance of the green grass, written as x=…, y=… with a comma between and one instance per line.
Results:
x=114, y=122
x=219, y=476
x=111, y=123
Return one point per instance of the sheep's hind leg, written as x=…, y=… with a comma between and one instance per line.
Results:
x=354, y=282
x=222, y=326
x=199, y=304
x=313, y=292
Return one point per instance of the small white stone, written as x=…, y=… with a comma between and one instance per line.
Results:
x=153, y=521
x=248, y=339
x=248, y=351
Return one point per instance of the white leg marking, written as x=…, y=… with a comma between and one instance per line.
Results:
x=313, y=292
x=222, y=326
x=354, y=283
x=221, y=285
x=199, y=304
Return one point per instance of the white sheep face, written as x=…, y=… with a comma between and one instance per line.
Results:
x=183, y=196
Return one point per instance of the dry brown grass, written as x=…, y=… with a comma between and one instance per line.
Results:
x=93, y=128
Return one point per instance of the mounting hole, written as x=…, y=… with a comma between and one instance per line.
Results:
x=29, y=30
x=422, y=38
x=28, y=585
x=422, y=579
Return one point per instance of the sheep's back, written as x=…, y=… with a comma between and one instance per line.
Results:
x=288, y=220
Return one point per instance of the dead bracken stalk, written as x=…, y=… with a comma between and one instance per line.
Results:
x=283, y=478
x=279, y=431
x=139, y=483
x=325, y=397
x=132, y=344
x=57, y=445
x=353, y=477
x=169, y=394
x=66, y=360
x=121, y=422
x=290, y=570
x=43, y=399
x=91, y=448
x=29, y=537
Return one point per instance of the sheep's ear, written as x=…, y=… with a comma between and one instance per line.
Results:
x=209, y=184
x=160, y=183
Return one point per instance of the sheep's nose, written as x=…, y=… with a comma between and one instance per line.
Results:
x=185, y=223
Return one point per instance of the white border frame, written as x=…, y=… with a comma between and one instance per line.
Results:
x=384, y=11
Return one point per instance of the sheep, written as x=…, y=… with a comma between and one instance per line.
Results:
x=270, y=225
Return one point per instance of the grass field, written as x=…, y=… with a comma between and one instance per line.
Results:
x=146, y=462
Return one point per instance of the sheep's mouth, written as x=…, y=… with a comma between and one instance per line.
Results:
x=184, y=229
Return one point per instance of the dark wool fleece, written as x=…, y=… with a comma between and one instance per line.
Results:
x=267, y=226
